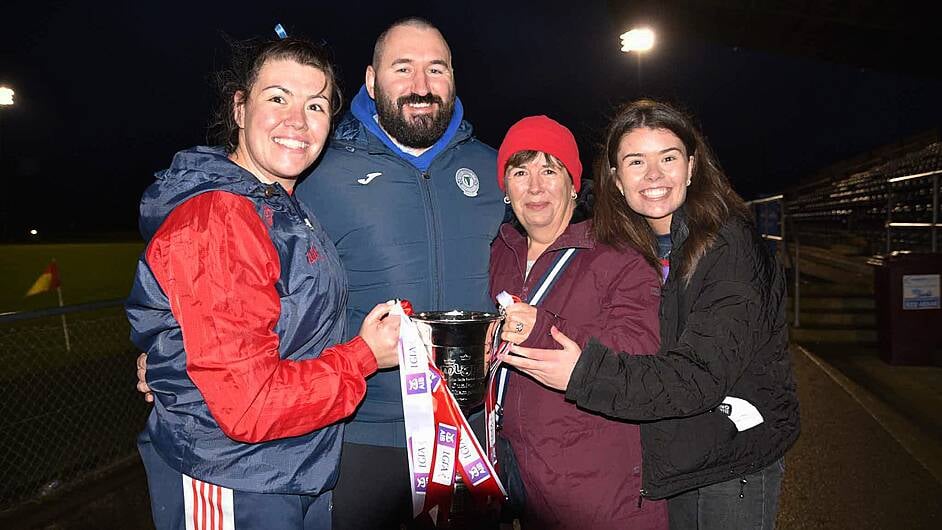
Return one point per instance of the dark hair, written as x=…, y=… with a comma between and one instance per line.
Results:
x=248, y=58
x=710, y=198
x=414, y=22
x=520, y=158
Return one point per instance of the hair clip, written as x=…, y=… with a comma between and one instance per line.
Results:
x=280, y=31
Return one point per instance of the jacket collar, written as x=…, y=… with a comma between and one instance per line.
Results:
x=360, y=127
x=577, y=235
x=679, y=228
x=351, y=131
x=194, y=171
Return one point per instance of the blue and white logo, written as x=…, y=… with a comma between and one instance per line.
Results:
x=467, y=182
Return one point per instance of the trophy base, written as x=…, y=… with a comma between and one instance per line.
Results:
x=469, y=514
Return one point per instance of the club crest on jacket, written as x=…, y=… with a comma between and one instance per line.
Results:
x=467, y=182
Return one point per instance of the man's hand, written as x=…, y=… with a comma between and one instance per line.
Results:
x=519, y=320
x=380, y=330
x=142, y=378
x=553, y=368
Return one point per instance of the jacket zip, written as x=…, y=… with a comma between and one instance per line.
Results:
x=641, y=494
x=438, y=296
x=271, y=190
x=434, y=236
x=299, y=212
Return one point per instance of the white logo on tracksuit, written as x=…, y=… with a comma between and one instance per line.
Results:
x=369, y=177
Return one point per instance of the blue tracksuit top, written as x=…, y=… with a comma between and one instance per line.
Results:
x=404, y=232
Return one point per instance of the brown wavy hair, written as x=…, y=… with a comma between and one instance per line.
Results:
x=710, y=200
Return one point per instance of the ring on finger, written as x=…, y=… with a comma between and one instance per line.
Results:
x=519, y=327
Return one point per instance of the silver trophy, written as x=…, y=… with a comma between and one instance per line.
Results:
x=461, y=344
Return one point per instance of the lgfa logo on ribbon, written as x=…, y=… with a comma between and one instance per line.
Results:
x=439, y=439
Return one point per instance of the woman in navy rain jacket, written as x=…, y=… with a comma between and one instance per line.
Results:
x=239, y=301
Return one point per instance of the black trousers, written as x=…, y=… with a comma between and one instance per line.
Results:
x=373, y=489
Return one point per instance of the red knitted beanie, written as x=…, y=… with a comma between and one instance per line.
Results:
x=540, y=133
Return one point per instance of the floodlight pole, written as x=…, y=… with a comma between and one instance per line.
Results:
x=640, y=83
x=6, y=100
x=638, y=40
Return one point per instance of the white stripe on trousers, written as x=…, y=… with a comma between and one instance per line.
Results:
x=207, y=506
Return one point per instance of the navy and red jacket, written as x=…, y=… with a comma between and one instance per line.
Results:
x=239, y=300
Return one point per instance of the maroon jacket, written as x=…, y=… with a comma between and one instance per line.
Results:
x=580, y=470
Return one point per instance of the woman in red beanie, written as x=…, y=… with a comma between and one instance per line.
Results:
x=567, y=467
x=718, y=401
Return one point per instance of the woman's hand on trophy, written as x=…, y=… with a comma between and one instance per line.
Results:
x=380, y=330
x=553, y=368
x=519, y=320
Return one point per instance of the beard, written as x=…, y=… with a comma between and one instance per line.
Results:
x=421, y=131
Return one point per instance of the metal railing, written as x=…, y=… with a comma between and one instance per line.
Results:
x=66, y=411
x=893, y=206
x=933, y=225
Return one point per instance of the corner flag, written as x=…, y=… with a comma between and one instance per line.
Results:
x=47, y=281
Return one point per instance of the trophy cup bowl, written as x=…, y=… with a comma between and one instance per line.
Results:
x=461, y=344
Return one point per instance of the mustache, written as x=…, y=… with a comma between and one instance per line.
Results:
x=416, y=98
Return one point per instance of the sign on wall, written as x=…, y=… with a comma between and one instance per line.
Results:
x=921, y=291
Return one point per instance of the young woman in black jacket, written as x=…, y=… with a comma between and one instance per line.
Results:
x=721, y=386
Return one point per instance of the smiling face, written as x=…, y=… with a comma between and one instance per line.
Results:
x=283, y=121
x=413, y=85
x=653, y=172
x=540, y=192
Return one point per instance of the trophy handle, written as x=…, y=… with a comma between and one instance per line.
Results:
x=493, y=342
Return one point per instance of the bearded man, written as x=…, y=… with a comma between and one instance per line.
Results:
x=409, y=197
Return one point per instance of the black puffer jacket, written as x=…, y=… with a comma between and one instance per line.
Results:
x=722, y=335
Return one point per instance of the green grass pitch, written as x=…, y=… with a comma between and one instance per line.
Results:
x=89, y=272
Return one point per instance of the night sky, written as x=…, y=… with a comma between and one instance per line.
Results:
x=107, y=92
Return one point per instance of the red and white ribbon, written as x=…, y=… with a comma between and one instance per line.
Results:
x=440, y=442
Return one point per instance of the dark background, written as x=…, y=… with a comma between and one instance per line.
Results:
x=106, y=92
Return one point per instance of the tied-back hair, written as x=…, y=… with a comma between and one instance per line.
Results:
x=247, y=59
x=710, y=200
